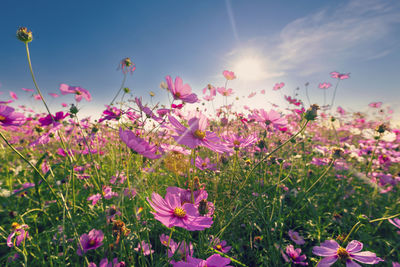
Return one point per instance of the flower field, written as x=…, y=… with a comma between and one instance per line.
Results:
x=171, y=184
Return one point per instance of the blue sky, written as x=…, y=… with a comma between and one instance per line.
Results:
x=81, y=43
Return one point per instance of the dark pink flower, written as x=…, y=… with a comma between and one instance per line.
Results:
x=94, y=198
x=204, y=164
x=10, y=118
x=90, y=241
x=54, y=95
x=278, y=86
x=220, y=245
x=181, y=91
x=295, y=255
x=331, y=250
x=27, y=90
x=49, y=120
x=13, y=95
x=375, y=104
x=170, y=211
x=177, y=250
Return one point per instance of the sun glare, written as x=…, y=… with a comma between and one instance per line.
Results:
x=249, y=69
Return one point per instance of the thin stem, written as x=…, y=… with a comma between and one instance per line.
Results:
x=120, y=89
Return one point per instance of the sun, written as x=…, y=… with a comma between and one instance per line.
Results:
x=249, y=69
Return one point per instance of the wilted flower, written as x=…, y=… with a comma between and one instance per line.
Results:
x=20, y=234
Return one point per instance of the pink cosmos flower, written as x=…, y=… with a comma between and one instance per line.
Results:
x=64, y=105
x=90, y=241
x=204, y=164
x=57, y=118
x=37, y=97
x=94, y=198
x=220, y=245
x=278, y=86
x=262, y=91
x=179, y=250
x=296, y=238
x=196, y=134
x=270, y=118
x=140, y=145
x=27, y=90
x=144, y=248
x=10, y=118
x=331, y=250
x=127, y=66
x=181, y=91
x=225, y=92
x=293, y=101
x=171, y=212
x=13, y=95
x=251, y=95
x=395, y=222
x=104, y=263
x=108, y=193
x=341, y=111
x=213, y=261
x=324, y=85
x=78, y=91
x=229, y=75
x=53, y=95
x=20, y=234
x=236, y=142
x=340, y=76
x=375, y=104
x=295, y=255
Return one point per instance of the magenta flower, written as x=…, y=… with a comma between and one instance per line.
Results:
x=196, y=135
x=199, y=196
x=181, y=91
x=140, y=145
x=27, y=90
x=108, y=193
x=10, y=118
x=340, y=76
x=395, y=222
x=111, y=113
x=53, y=95
x=331, y=250
x=171, y=212
x=144, y=248
x=229, y=75
x=178, y=251
x=49, y=120
x=295, y=256
x=375, y=104
x=104, y=263
x=90, y=241
x=13, y=95
x=278, y=86
x=20, y=234
x=324, y=85
x=296, y=238
x=236, y=142
x=213, y=261
x=78, y=91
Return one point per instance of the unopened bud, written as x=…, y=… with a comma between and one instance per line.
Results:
x=381, y=128
x=24, y=35
x=311, y=113
x=127, y=90
x=73, y=110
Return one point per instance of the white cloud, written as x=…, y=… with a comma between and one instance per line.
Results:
x=360, y=29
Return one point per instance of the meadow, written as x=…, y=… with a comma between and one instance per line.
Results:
x=172, y=185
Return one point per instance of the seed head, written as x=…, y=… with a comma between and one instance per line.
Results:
x=24, y=35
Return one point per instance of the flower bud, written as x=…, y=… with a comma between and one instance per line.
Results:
x=73, y=110
x=311, y=113
x=24, y=35
x=127, y=90
x=381, y=128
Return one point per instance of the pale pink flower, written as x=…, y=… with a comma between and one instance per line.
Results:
x=278, y=86
x=229, y=75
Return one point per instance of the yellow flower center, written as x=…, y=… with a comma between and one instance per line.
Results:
x=2, y=118
x=199, y=134
x=177, y=94
x=179, y=212
x=92, y=242
x=342, y=253
x=14, y=225
x=218, y=247
x=204, y=164
x=236, y=143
